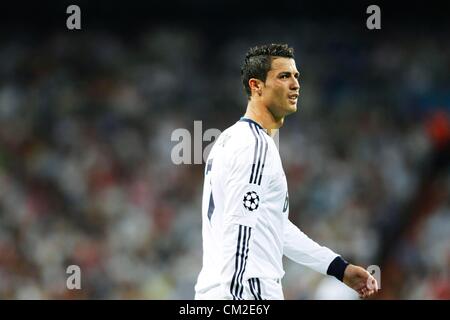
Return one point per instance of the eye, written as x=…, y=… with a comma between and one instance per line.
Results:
x=284, y=76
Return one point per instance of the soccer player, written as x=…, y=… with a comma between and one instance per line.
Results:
x=245, y=208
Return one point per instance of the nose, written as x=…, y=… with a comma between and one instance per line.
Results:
x=295, y=84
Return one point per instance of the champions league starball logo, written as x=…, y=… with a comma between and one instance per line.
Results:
x=251, y=201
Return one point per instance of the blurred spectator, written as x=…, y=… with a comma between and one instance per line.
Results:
x=86, y=176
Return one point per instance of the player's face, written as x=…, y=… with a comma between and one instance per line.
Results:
x=281, y=89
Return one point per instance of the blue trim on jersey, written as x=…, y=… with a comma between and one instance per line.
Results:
x=261, y=164
x=236, y=265
x=258, y=283
x=211, y=206
x=254, y=154
x=236, y=287
x=264, y=161
x=255, y=288
x=258, y=153
x=259, y=157
x=259, y=138
x=251, y=121
x=252, y=290
x=245, y=261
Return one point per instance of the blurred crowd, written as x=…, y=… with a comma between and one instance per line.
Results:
x=86, y=176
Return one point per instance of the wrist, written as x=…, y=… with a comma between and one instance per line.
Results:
x=337, y=268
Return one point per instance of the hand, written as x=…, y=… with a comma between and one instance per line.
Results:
x=360, y=280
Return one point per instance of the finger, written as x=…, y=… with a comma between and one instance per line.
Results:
x=363, y=292
x=376, y=284
x=361, y=285
x=371, y=283
x=360, y=293
x=369, y=293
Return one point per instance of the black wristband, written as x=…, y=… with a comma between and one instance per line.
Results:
x=337, y=268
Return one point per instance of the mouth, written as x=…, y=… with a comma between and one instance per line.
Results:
x=293, y=98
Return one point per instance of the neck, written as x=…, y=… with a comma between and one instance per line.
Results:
x=262, y=115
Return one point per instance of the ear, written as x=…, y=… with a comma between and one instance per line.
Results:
x=255, y=86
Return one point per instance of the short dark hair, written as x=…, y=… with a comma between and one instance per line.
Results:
x=258, y=61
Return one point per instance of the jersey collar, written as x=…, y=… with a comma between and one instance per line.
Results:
x=252, y=121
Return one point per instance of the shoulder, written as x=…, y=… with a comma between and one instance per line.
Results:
x=244, y=141
x=238, y=137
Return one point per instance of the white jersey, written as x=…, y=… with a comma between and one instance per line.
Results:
x=245, y=225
